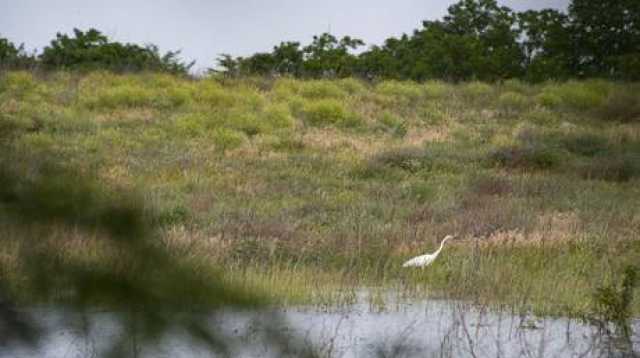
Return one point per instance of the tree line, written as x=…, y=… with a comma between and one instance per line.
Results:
x=92, y=50
x=476, y=40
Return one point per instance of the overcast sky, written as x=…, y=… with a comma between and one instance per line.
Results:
x=203, y=29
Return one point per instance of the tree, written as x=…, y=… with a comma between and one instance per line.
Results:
x=328, y=56
x=230, y=65
x=377, y=62
x=262, y=63
x=288, y=58
x=607, y=36
x=547, y=44
x=92, y=50
x=487, y=34
x=476, y=40
x=12, y=56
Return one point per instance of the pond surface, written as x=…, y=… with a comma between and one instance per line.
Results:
x=430, y=328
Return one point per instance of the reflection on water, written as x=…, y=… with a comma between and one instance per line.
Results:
x=420, y=329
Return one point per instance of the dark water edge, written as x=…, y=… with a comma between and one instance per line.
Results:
x=430, y=328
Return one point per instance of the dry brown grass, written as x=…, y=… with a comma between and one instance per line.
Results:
x=419, y=136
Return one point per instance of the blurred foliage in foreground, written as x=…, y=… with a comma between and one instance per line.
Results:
x=152, y=291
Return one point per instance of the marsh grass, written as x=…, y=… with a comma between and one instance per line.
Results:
x=307, y=190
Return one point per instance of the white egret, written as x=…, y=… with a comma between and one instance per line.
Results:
x=425, y=260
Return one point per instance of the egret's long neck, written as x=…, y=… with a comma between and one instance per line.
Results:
x=441, y=245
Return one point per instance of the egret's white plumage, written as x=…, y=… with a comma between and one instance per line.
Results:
x=425, y=260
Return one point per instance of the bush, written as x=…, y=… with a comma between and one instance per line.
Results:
x=575, y=95
x=515, y=85
x=127, y=96
x=394, y=124
x=246, y=122
x=227, y=139
x=176, y=97
x=213, y=94
x=620, y=168
x=581, y=96
x=513, y=101
x=288, y=142
x=401, y=91
x=320, y=89
x=18, y=83
x=410, y=159
x=476, y=89
x=525, y=157
x=352, y=86
x=436, y=89
x=278, y=116
x=549, y=99
x=490, y=185
x=191, y=125
x=585, y=144
x=284, y=88
x=329, y=112
x=92, y=50
x=623, y=106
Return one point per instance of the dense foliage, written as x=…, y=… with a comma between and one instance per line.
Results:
x=476, y=40
x=12, y=56
x=91, y=50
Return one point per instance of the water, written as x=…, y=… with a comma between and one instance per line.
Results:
x=430, y=328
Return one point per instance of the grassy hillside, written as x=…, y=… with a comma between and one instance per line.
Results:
x=308, y=189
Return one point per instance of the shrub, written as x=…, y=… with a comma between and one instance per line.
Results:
x=247, y=122
x=513, y=101
x=319, y=89
x=421, y=191
x=436, y=89
x=584, y=144
x=352, y=86
x=613, y=303
x=296, y=104
x=172, y=216
x=476, y=89
x=401, y=91
x=18, y=83
x=620, y=168
x=177, y=96
x=490, y=185
x=128, y=96
x=278, y=116
x=622, y=106
x=213, y=94
x=329, y=112
x=410, y=159
x=191, y=125
x=525, y=157
x=580, y=96
x=575, y=95
x=227, y=139
x=288, y=142
x=249, y=98
x=549, y=99
x=393, y=123
x=515, y=85
x=284, y=88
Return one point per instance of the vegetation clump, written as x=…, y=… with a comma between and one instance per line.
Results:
x=527, y=157
x=621, y=106
x=329, y=112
